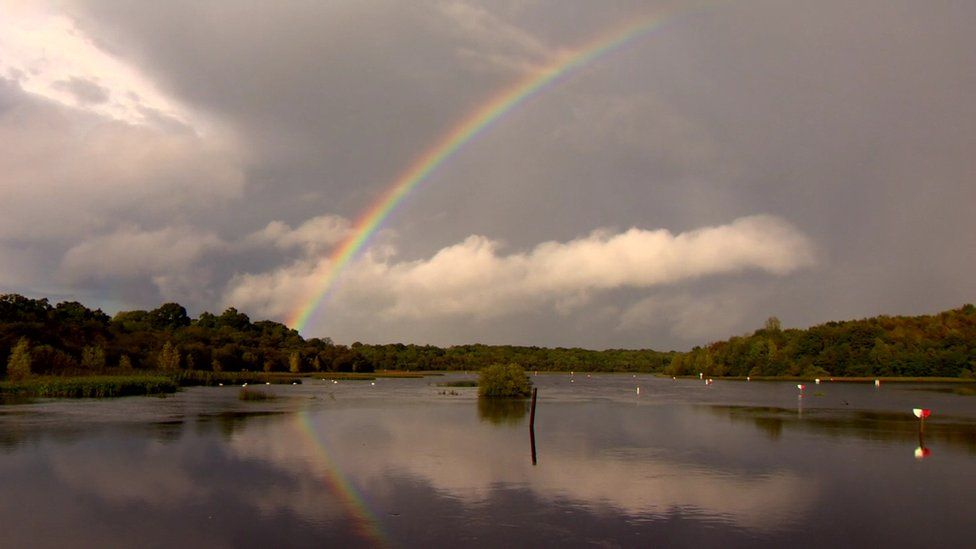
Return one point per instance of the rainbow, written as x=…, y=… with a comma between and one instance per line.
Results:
x=466, y=130
x=363, y=519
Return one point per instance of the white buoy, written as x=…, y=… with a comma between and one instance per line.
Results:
x=638, y=390
x=220, y=384
x=701, y=375
x=877, y=383
x=817, y=381
x=267, y=383
x=245, y=385
x=748, y=378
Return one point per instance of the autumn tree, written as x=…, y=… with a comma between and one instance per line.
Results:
x=19, y=363
x=168, y=358
x=93, y=358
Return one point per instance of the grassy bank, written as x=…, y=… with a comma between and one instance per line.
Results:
x=89, y=386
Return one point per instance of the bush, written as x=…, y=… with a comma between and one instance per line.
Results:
x=501, y=380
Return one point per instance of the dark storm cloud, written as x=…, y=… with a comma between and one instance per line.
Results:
x=850, y=122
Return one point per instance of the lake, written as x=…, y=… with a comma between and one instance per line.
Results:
x=405, y=462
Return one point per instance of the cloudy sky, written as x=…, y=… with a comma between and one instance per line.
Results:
x=812, y=160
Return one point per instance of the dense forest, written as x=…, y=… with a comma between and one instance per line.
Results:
x=942, y=345
x=71, y=339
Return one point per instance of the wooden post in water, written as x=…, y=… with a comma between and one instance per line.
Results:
x=535, y=392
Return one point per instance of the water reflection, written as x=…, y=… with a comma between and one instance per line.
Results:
x=865, y=425
x=374, y=466
x=503, y=411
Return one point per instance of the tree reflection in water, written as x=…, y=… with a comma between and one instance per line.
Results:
x=503, y=411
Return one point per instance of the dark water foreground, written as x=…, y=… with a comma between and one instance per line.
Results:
x=406, y=463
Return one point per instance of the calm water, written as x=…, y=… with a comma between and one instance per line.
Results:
x=399, y=464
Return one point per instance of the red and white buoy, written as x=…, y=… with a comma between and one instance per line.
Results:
x=921, y=414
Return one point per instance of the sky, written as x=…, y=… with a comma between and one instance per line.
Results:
x=809, y=160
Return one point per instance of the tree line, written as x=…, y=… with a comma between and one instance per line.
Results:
x=70, y=339
x=942, y=345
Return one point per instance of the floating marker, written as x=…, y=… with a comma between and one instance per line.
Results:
x=700, y=375
x=220, y=384
x=267, y=383
x=922, y=452
x=748, y=378
x=877, y=383
x=817, y=381
x=801, y=387
x=921, y=413
x=638, y=390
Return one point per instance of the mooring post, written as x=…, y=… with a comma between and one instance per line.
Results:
x=535, y=392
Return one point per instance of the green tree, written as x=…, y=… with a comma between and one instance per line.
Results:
x=294, y=362
x=19, y=362
x=125, y=364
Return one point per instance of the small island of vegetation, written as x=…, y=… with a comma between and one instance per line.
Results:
x=504, y=381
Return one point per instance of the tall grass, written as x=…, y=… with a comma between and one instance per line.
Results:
x=89, y=386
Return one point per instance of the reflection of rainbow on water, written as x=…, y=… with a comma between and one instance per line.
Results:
x=364, y=519
x=469, y=127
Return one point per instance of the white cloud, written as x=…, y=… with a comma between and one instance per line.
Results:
x=473, y=279
x=312, y=236
x=49, y=56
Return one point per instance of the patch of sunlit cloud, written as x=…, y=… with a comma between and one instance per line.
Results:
x=47, y=55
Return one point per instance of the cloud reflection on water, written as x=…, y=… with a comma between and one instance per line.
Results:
x=470, y=463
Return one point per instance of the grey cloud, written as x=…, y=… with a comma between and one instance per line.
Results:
x=84, y=91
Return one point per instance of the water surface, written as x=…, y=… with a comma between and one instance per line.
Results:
x=404, y=462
